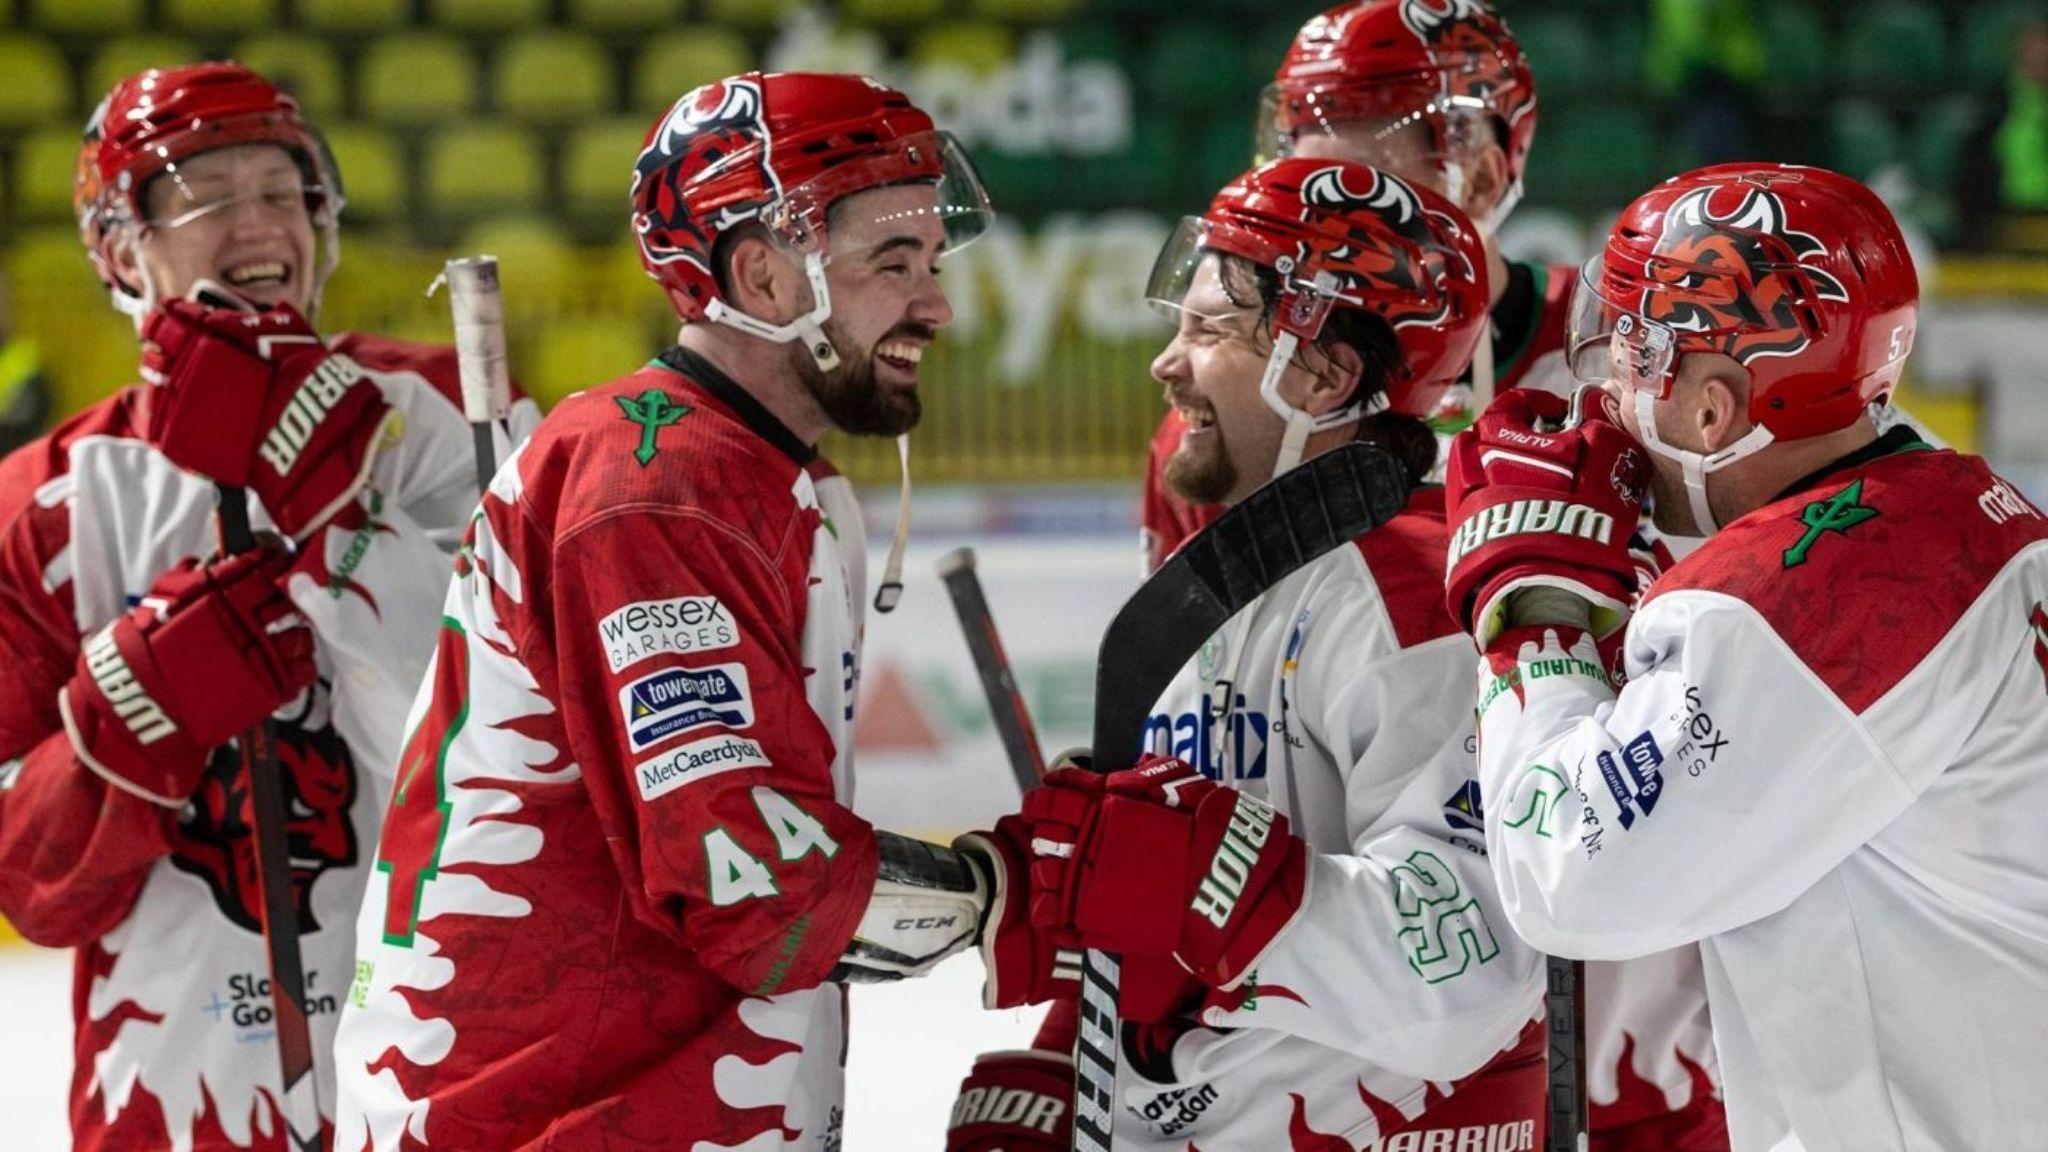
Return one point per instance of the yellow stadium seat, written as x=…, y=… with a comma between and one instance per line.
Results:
x=486, y=15
x=574, y=354
x=553, y=77
x=980, y=48
x=219, y=15
x=353, y=17
x=892, y=13
x=412, y=78
x=538, y=265
x=624, y=15
x=755, y=14
x=85, y=15
x=372, y=171
x=38, y=87
x=674, y=63
x=482, y=170
x=301, y=65
x=597, y=169
x=44, y=165
x=124, y=58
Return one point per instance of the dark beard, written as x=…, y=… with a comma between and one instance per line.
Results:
x=851, y=398
x=1201, y=479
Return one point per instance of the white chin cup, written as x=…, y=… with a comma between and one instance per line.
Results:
x=1696, y=465
x=810, y=327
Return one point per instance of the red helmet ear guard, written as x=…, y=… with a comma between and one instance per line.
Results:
x=1345, y=236
x=1443, y=63
x=779, y=149
x=1799, y=274
x=152, y=121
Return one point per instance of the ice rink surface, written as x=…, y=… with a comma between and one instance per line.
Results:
x=912, y=1042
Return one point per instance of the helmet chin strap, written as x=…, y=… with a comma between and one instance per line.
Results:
x=1696, y=465
x=810, y=327
x=1300, y=425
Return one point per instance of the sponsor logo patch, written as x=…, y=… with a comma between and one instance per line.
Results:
x=670, y=771
x=656, y=627
x=1635, y=781
x=675, y=700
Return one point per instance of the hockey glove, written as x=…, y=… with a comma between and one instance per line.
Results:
x=255, y=399
x=1024, y=966
x=1538, y=500
x=925, y=905
x=1014, y=1102
x=1159, y=861
x=210, y=651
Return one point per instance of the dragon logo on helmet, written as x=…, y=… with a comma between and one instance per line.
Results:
x=704, y=128
x=1372, y=267
x=1773, y=263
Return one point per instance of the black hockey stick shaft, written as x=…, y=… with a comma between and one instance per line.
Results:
x=1564, y=1003
x=279, y=905
x=992, y=665
x=1307, y=512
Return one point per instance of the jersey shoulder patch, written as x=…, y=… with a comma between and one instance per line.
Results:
x=1863, y=573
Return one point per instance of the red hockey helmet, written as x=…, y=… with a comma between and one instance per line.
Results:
x=151, y=122
x=1451, y=65
x=1339, y=235
x=781, y=148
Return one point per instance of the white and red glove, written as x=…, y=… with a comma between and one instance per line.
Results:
x=1159, y=861
x=255, y=400
x=1024, y=965
x=1014, y=1102
x=210, y=651
x=1537, y=502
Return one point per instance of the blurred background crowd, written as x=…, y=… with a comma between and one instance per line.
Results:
x=510, y=126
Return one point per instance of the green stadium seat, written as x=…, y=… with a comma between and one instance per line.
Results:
x=44, y=165
x=1939, y=133
x=979, y=48
x=597, y=168
x=372, y=169
x=553, y=77
x=482, y=170
x=353, y=17
x=1180, y=72
x=759, y=15
x=301, y=65
x=624, y=15
x=1562, y=50
x=412, y=78
x=38, y=87
x=1025, y=11
x=675, y=62
x=1894, y=48
x=1859, y=139
x=1985, y=40
x=1595, y=155
x=219, y=15
x=100, y=16
x=892, y=13
x=126, y=57
x=486, y=15
x=1795, y=49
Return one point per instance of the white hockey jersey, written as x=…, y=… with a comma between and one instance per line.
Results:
x=1342, y=698
x=1829, y=767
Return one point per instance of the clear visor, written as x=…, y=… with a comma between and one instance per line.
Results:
x=1210, y=271
x=913, y=185
x=286, y=199
x=1404, y=124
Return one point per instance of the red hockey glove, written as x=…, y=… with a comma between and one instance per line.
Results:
x=1014, y=1102
x=210, y=651
x=255, y=400
x=1024, y=966
x=1534, y=504
x=1159, y=861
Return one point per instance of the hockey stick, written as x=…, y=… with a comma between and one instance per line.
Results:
x=274, y=885
x=1564, y=1003
x=473, y=295
x=998, y=683
x=1306, y=512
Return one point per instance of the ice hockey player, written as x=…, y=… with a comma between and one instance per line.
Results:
x=131, y=651
x=621, y=887
x=1352, y=980
x=1827, y=764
